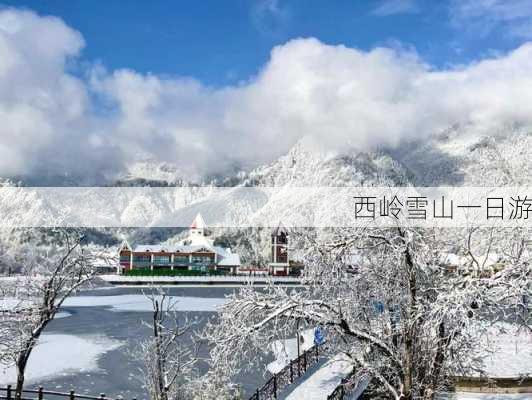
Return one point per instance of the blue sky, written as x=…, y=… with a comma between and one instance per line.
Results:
x=224, y=42
x=100, y=87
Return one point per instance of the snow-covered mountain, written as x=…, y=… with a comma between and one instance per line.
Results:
x=456, y=157
x=151, y=173
x=304, y=165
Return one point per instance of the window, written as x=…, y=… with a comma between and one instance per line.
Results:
x=142, y=260
x=161, y=260
x=201, y=260
x=282, y=238
x=180, y=260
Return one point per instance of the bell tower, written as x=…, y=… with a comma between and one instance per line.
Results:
x=125, y=254
x=279, y=261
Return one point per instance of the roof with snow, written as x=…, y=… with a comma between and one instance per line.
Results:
x=198, y=223
x=194, y=243
x=230, y=260
x=156, y=248
x=279, y=229
x=225, y=256
x=125, y=246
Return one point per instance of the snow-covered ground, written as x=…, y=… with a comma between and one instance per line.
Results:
x=130, y=302
x=62, y=314
x=286, y=350
x=322, y=382
x=113, y=278
x=512, y=353
x=59, y=354
x=139, y=302
x=8, y=303
x=483, y=396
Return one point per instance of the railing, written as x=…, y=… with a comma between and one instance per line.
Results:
x=355, y=383
x=339, y=392
x=8, y=393
x=287, y=375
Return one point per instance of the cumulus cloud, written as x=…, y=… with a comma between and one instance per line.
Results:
x=515, y=17
x=43, y=108
x=341, y=98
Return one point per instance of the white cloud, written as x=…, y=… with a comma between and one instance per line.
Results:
x=341, y=98
x=515, y=16
x=392, y=7
x=44, y=109
x=269, y=16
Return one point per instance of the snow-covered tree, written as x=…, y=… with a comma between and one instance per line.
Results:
x=168, y=363
x=170, y=358
x=53, y=264
x=388, y=299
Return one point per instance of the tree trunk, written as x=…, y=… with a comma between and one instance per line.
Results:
x=21, y=368
x=439, y=358
x=410, y=328
x=407, y=387
x=161, y=389
x=24, y=355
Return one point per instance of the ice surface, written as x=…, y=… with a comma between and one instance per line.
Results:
x=57, y=354
x=139, y=302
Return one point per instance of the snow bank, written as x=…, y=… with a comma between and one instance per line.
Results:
x=8, y=303
x=483, y=396
x=322, y=382
x=62, y=314
x=57, y=354
x=139, y=302
x=512, y=352
x=286, y=350
x=262, y=279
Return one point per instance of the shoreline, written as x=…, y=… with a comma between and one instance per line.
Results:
x=232, y=281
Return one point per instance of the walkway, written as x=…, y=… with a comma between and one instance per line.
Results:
x=322, y=382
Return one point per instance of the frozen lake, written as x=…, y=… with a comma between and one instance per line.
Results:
x=88, y=347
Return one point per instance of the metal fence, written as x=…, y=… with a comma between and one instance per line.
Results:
x=351, y=386
x=285, y=377
x=8, y=393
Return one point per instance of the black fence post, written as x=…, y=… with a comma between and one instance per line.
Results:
x=8, y=392
x=102, y=396
x=39, y=393
x=275, y=385
x=291, y=372
x=305, y=361
x=258, y=394
x=72, y=395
